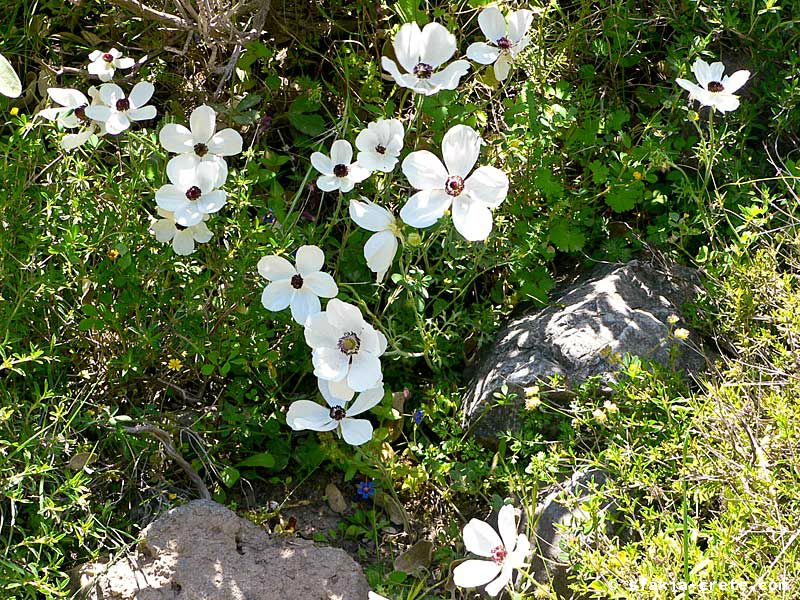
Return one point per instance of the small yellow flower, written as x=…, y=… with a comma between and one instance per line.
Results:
x=681, y=333
x=672, y=319
x=175, y=364
x=599, y=415
x=610, y=407
x=14, y=111
x=694, y=115
x=637, y=175
x=533, y=403
x=113, y=254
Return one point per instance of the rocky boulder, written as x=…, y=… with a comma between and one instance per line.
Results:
x=616, y=309
x=204, y=551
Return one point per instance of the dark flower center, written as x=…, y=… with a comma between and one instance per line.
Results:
x=349, y=344
x=499, y=554
x=337, y=413
x=504, y=43
x=123, y=104
x=108, y=57
x=454, y=185
x=200, y=149
x=341, y=170
x=180, y=227
x=80, y=112
x=715, y=86
x=297, y=282
x=380, y=149
x=423, y=71
x=193, y=193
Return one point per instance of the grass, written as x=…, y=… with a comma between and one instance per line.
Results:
x=607, y=161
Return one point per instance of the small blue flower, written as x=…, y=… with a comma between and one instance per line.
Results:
x=365, y=490
x=418, y=416
x=269, y=218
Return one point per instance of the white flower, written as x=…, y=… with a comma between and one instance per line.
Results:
x=344, y=347
x=338, y=173
x=305, y=414
x=104, y=64
x=379, y=145
x=183, y=238
x=506, y=552
x=715, y=90
x=117, y=111
x=72, y=114
x=301, y=287
x=420, y=52
x=382, y=246
x=202, y=140
x=507, y=37
x=192, y=191
x=472, y=197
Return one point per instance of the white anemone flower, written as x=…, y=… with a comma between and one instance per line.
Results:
x=421, y=52
x=72, y=114
x=201, y=139
x=105, y=64
x=472, y=196
x=118, y=110
x=506, y=38
x=192, y=191
x=305, y=414
x=345, y=348
x=379, y=145
x=715, y=89
x=382, y=245
x=183, y=238
x=298, y=287
x=338, y=172
x=506, y=552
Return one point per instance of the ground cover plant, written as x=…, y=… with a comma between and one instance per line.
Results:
x=284, y=234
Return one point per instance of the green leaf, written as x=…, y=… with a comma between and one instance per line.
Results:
x=258, y=460
x=10, y=85
x=229, y=476
x=248, y=102
x=408, y=11
x=312, y=124
x=566, y=237
x=548, y=184
x=624, y=198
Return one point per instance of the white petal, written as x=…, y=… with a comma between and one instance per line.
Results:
x=370, y=216
x=492, y=23
x=304, y=304
x=356, y=431
x=182, y=170
x=322, y=284
x=211, y=202
x=690, y=87
x=438, y=45
x=507, y=526
x=176, y=138
x=496, y=586
x=372, y=161
x=320, y=333
x=482, y=53
x=74, y=140
x=164, y=230
x=201, y=233
x=702, y=72
x=365, y=371
x=227, y=142
x=275, y=268
x=733, y=83
x=489, y=185
x=390, y=67
x=304, y=414
x=67, y=97
x=357, y=173
x=183, y=243
x=142, y=114
x=344, y=315
x=115, y=53
x=449, y=77
x=141, y=94
x=341, y=153
x=725, y=103
x=110, y=93
x=475, y=573
x=424, y=208
x=103, y=70
x=170, y=197
x=715, y=71
x=203, y=123
x=322, y=163
x=379, y=252
x=188, y=214
x=519, y=556
x=98, y=113
x=277, y=295
x=116, y=123
x=95, y=54
x=52, y=113
x=407, y=46
x=221, y=168
x=309, y=259
x=124, y=63
x=365, y=401
x=329, y=390
x=368, y=139
x=518, y=24
x=329, y=363
x=329, y=183
x=424, y=171
x=460, y=148
x=472, y=218
x=480, y=538
x=502, y=68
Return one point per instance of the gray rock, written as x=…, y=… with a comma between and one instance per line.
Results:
x=616, y=309
x=559, y=517
x=204, y=551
